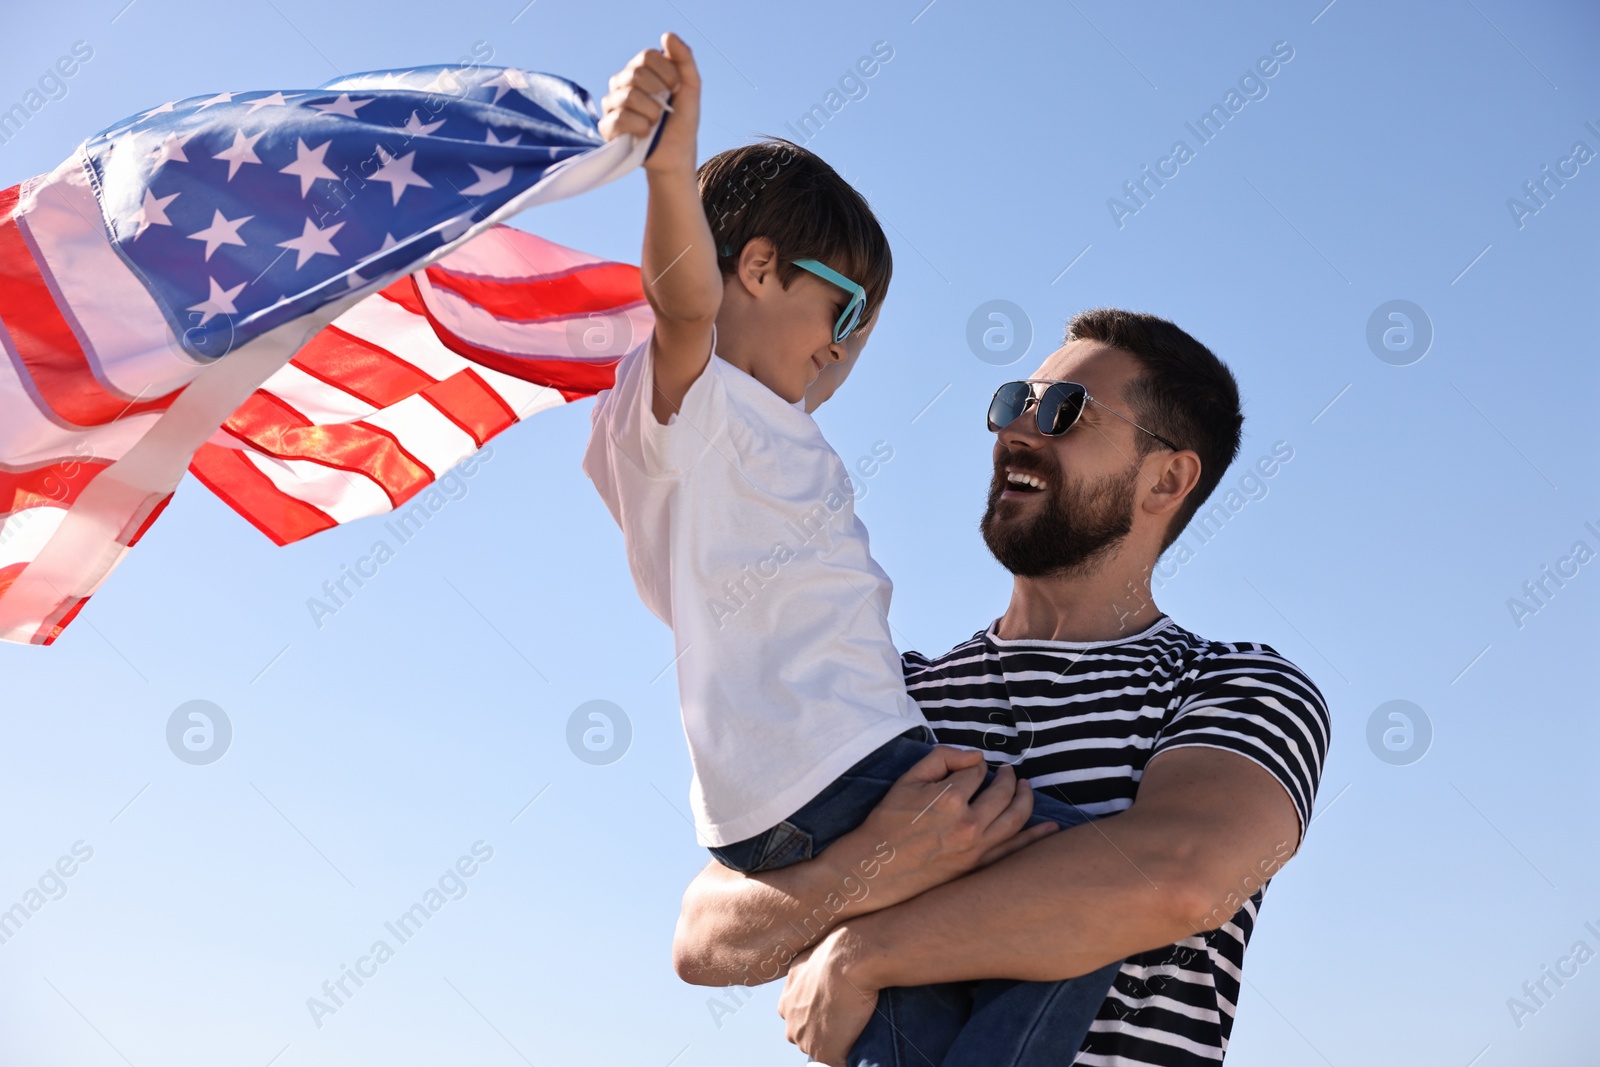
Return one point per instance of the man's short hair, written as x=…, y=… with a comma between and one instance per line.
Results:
x=1183, y=392
x=778, y=190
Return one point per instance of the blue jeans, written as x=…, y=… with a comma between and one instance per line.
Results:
x=984, y=1023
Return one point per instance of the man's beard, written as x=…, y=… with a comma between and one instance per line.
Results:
x=1072, y=529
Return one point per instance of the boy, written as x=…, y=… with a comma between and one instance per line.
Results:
x=765, y=277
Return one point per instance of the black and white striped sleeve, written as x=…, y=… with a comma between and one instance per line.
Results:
x=1248, y=699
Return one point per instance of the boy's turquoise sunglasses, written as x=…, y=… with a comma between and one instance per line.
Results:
x=850, y=317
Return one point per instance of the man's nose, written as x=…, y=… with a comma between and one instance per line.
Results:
x=1022, y=431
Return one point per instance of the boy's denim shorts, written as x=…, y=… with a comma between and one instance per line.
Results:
x=988, y=1023
x=846, y=803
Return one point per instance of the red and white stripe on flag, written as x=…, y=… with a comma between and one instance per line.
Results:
x=101, y=410
x=411, y=381
x=88, y=367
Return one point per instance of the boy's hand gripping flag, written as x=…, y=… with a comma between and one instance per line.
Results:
x=156, y=288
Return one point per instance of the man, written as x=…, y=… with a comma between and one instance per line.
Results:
x=1199, y=759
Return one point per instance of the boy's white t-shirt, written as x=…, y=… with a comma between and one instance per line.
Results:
x=742, y=536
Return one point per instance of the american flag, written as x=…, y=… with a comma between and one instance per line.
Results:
x=307, y=295
x=408, y=383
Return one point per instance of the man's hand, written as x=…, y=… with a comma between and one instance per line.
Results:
x=823, y=1010
x=941, y=826
x=638, y=99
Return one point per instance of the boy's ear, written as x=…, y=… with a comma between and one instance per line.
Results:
x=758, y=264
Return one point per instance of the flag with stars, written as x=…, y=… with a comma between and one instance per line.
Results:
x=155, y=284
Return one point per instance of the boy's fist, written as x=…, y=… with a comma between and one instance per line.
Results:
x=638, y=99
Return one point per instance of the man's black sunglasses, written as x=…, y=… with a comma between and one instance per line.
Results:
x=1055, y=410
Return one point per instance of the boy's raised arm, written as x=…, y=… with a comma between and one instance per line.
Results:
x=679, y=263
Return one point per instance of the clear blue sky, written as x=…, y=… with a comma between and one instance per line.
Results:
x=369, y=754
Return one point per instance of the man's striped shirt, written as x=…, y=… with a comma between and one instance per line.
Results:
x=1080, y=720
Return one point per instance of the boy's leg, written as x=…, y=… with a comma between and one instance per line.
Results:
x=1048, y=808
x=1032, y=1024
x=922, y=1026
x=914, y=1026
x=848, y=800
x=832, y=813
x=1029, y=1024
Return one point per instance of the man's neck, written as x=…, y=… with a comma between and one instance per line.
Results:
x=1097, y=607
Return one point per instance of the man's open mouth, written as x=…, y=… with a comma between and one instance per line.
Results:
x=1023, y=482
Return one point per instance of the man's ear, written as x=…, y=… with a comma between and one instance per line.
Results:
x=758, y=265
x=1172, y=482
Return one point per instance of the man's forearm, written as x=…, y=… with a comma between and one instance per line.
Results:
x=1206, y=831
x=933, y=825
x=1061, y=908
x=747, y=928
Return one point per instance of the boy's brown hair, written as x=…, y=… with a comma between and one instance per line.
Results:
x=778, y=190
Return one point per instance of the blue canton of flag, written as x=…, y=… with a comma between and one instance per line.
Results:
x=242, y=211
